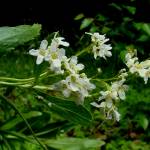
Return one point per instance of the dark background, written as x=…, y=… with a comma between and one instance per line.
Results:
x=58, y=14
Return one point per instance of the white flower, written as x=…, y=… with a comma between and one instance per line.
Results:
x=108, y=95
x=107, y=104
x=120, y=88
x=78, y=84
x=56, y=55
x=110, y=110
x=123, y=74
x=99, y=47
x=108, y=98
x=41, y=53
x=102, y=51
x=145, y=73
x=145, y=64
x=55, y=59
x=97, y=38
x=116, y=115
x=132, y=63
x=72, y=66
x=61, y=42
x=142, y=69
x=56, y=42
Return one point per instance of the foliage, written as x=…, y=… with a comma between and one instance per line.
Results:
x=33, y=117
x=11, y=37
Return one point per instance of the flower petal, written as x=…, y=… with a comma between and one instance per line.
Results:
x=56, y=63
x=44, y=44
x=33, y=52
x=73, y=60
x=39, y=59
x=121, y=94
x=116, y=115
x=95, y=104
x=66, y=92
x=80, y=66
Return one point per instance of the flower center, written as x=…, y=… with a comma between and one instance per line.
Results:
x=42, y=52
x=54, y=55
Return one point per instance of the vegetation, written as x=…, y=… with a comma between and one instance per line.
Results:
x=38, y=113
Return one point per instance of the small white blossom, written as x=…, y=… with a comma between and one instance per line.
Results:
x=107, y=104
x=110, y=110
x=120, y=88
x=108, y=98
x=99, y=47
x=55, y=59
x=56, y=42
x=59, y=41
x=142, y=69
x=41, y=53
x=116, y=115
x=145, y=73
x=56, y=55
x=72, y=65
x=102, y=51
x=76, y=83
x=108, y=95
x=123, y=74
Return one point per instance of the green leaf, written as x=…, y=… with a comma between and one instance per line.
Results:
x=12, y=123
x=79, y=16
x=69, y=110
x=116, y=6
x=101, y=18
x=85, y=23
x=75, y=143
x=50, y=129
x=143, y=38
x=11, y=37
x=143, y=121
x=122, y=55
x=145, y=27
x=131, y=9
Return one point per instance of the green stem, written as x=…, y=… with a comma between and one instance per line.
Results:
x=27, y=85
x=102, y=81
x=83, y=51
x=38, y=87
x=23, y=80
x=26, y=122
x=15, y=79
x=11, y=83
x=94, y=95
x=110, y=79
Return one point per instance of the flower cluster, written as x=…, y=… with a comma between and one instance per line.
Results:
x=140, y=68
x=99, y=47
x=115, y=92
x=78, y=84
x=53, y=54
x=75, y=82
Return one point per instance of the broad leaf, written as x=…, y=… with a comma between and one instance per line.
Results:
x=85, y=23
x=143, y=121
x=75, y=143
x=11, y=37
x=68, y=109
x=145, y=27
